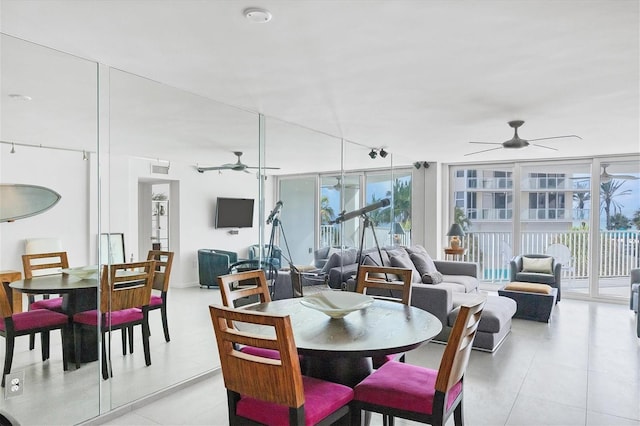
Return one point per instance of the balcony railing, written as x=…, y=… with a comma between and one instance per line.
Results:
x=330, y=237
x=619, y=252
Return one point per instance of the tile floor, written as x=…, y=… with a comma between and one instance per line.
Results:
x=581, y=369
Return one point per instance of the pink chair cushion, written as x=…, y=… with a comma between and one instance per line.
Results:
x=403, y=386
x=113, y=318
x=36, y=319
x=155, y=300
x=54, y=304
x=261, y=352
x=321, y=399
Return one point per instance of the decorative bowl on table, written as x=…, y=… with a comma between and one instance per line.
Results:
x=83, y=272
x=337, y=304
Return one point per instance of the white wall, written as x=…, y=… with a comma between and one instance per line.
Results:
x=196, y=211
x=64, y=172
x=69, y=220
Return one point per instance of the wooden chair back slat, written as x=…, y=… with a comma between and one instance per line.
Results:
x=456, y=354
x=126, y=285
x=266, y=379
x=58, y=261
x=5, y=306
x=385, y=278
x=231, y=294
x=164, y=260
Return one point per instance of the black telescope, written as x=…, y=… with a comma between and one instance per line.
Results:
x=343, y=217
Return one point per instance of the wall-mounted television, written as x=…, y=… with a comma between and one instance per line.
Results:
x=234, y=213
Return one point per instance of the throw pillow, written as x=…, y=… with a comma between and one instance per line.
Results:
x=540, y=265
x=369, y=261
x=432, y=278
x=333, y=261
x=423, y=263
x=417, y=249
x=403, y=261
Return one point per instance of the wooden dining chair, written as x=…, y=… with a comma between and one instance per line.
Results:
x=52, y=263
x=386, y=283
x=125, y=292
x=383, y=282
x=268, y=391
x=245, y=289
x=29, y=323
x=161, y=277
x=422, y=394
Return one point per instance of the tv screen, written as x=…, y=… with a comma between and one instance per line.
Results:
x=234, y=213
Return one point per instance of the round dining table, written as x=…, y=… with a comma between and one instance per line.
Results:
x=77, y=295
x=340, y=350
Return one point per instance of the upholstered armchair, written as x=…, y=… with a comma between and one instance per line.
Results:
x=634, y=300
x=536, y=268
x=212, y=263
x=276, y=254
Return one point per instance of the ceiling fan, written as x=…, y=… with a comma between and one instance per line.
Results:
x=339, y=185
x=606, y=177
x=517, y=142
x=238, y=166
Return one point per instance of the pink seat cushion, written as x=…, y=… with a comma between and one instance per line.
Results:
x=321, y=399
x=54, y=304
x=155, y=300
x=261, y=352
x=403, y=386
x=113, y=318
x=38, y=318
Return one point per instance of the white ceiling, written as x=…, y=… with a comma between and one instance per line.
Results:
x=421, y=78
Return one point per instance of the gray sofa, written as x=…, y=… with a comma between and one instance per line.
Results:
x=459, y=285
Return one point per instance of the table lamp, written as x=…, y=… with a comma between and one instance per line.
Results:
x=397, y=231
x=455, y=232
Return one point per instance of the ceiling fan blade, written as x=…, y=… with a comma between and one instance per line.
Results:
x=207, y=169
x=555, y=137
x=484, y=150
x=624, y=177
x=270, y=168
x=488, y=143
x=544, y=146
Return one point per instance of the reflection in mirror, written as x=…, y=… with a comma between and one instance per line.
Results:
x=302, y=154
x=159, y=137
x=48, y=111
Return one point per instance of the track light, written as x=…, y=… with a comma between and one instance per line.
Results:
x=383, y=153
x=419, y=164
x=373, y=154
x=13, y=149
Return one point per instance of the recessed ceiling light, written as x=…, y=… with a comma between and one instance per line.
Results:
x=19, y=97
x=257, y=15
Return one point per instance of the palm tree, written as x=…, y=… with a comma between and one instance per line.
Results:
x=620, y=221
x=609, y=191
x=461, y=219
x=636, y=219
x=326, y=211
x=581, y=197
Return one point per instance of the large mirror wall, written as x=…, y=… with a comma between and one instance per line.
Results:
x=124, y=151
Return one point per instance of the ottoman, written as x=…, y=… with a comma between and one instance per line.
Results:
x=535, y=301
x=495, y=322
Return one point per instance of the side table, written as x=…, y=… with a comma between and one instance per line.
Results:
x=14, y=296
x=454, y=253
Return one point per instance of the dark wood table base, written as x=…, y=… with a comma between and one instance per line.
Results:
x=348, y=371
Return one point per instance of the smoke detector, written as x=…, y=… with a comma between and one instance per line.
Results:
x=257, y=15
